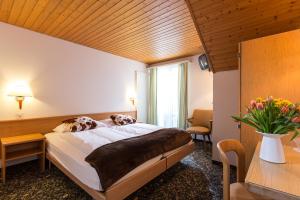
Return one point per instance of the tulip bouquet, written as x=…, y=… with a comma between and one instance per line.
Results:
x=272, y=116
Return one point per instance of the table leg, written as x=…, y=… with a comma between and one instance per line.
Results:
x=42, y=159
x=3, y=162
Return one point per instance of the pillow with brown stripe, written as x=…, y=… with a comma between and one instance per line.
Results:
x=120, y=119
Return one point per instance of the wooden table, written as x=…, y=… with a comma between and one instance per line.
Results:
x=17, y=147
x=277, y=181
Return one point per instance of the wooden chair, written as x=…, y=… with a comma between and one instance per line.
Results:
x=235, y=191
x=201, y=123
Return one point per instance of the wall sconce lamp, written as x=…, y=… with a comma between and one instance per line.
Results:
x=132, y=100
x=20, y=92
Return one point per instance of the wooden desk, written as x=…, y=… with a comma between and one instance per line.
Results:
x=277, y=181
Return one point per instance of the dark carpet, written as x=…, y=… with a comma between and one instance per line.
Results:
x=195, y=177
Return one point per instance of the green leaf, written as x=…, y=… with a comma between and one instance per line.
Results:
x=295, y=134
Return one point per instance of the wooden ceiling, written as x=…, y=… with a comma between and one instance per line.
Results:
x=222, y=24
x=150, y=31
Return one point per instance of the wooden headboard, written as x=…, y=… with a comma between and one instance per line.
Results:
x=46, y=124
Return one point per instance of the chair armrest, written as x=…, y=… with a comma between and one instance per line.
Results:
x=190, y=120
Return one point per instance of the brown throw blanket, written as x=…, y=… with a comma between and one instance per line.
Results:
x=113, y=161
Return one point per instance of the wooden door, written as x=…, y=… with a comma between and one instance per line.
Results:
x=269, y=66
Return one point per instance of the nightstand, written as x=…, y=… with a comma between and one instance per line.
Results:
x=23, y=146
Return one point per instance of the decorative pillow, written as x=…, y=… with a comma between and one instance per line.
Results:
x=77, y=124
x=119, y=119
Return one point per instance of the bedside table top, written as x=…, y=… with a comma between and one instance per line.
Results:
x=6, y=141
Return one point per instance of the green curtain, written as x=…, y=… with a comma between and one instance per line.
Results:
x=152, y=85
x=182, y=86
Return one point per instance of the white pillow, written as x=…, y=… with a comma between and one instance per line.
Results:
x=64, y=127
x=107, y=122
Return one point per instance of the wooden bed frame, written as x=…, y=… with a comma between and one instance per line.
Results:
x=124, y=188
x=119, y=190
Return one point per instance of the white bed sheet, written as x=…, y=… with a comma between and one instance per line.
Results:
x=70, y=157
x=137, y=128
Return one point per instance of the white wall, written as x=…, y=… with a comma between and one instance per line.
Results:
x=65, y=78
x=200, y=87
x=226, y=103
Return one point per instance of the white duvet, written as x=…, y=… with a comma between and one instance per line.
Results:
x=71, y=149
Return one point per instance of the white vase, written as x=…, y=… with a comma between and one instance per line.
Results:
x=271, y=149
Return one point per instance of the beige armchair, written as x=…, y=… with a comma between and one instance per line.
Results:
x=201, y=123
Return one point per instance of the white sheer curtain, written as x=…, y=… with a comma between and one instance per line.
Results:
x=167, y=96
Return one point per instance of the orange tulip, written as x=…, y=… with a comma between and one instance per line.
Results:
x=296, y=120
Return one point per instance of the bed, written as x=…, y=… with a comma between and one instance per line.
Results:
x=63, y=151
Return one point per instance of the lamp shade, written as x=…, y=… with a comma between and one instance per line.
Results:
x=20, y=90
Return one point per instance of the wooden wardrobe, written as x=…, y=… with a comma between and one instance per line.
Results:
x=269, y=66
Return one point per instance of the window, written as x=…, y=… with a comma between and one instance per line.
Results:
x=167, y=96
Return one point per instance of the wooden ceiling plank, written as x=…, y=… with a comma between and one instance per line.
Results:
x=99, y=30
x=164, y=48
x=26, y=11
x=220, y=51
x=224, y=58
x=239, y=18
x=106, y=18
x=238, y=9
x=150, y=51
x=35, y=13
x=48, y=10
x=156, y=57
x=89, y=6
x=178, y=31
x=76, y=4
x=156, y=16
x=61, y=8
x=150, y=31
x=188, y=43
x=250, y=30
x=6, y=7
x=16, y=11
x=101, y=15
x=172, y=58
x=132, y=29
x=88, y=16
x=252, y=23
x=216, y=10
x=113, y=25
x=161, y=42
x=171, y=44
